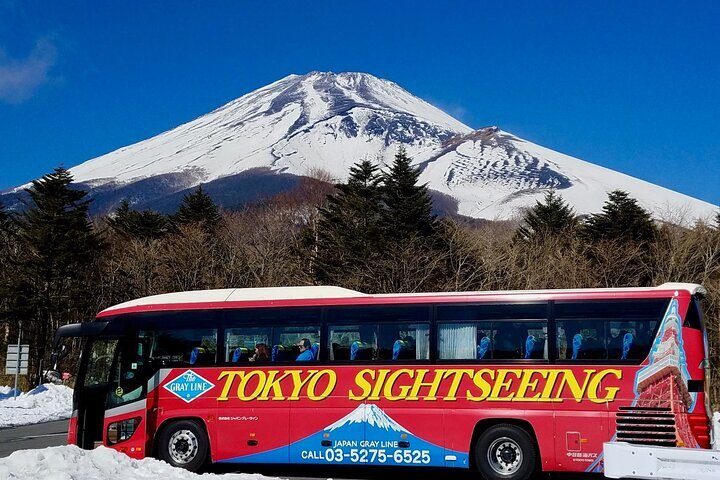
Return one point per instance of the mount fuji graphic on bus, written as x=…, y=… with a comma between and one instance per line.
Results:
x=366, y=436
x=367, y=414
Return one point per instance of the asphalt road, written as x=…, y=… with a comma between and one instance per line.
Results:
x=40, y=435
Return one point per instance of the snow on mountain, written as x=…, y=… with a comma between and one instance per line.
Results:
x=295, y=125
x=370, y=414
x=257, y=145
x=496, y=175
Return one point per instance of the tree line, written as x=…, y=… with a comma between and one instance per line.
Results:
x=374, y=233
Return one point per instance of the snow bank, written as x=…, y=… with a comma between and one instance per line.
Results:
x=716, y=430
x=43, y=404
x=72, y=463
x=7, y=392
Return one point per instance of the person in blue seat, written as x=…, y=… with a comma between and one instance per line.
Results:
x=306, y=355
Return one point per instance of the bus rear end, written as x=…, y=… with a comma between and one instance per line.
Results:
x=666, y=432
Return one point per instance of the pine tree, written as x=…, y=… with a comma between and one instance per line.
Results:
x=5, y=222
x=621, y=219
x=60, y=250
x=349, y=231
x=408, y=206
x=144, y=225
x=197, y=208
x=548, y=218
x=7, y=262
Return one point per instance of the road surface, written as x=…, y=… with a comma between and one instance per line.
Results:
x=40, y=435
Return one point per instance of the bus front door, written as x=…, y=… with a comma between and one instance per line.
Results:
x=124, y=426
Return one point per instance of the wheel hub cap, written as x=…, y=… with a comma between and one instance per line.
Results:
x=505, y=456
x=183, y=446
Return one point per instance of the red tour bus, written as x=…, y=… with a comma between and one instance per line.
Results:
x=506, y=383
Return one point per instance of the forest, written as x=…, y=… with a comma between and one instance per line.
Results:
x=376, y=233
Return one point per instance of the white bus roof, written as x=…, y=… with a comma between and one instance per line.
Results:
x=320, y=292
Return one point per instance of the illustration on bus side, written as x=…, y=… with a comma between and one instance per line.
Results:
x=384, y=442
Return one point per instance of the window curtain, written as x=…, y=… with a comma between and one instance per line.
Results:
x=422, y=344
x=458, y=341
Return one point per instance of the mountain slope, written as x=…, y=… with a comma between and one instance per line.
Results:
x=494, y=174
x=327, y=121
x=295, y=125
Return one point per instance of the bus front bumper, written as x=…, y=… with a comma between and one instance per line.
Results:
x=625, y=460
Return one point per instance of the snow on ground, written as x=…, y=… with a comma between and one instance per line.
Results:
x=43, y=404
x=72, y=463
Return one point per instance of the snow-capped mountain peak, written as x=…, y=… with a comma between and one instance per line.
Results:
x=325, y=121
x=372, y=415
x=321, y=120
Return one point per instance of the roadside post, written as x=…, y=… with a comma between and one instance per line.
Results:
x=16, y=360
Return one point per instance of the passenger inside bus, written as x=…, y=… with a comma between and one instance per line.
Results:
x=306, y=353
x=262, y=354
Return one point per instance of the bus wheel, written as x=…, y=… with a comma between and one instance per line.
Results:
x=183, y=444
x=505, y=452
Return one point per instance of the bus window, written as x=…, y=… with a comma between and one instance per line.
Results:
x=519, y=340
x=352, y=342
x=241, y=343
x=182, y=347
x=465, y=341
x=287, y=340
x=404, y=341
x=500, y=340
x=630, y=340
x=100, y=362
x=607, y=330
x=582, y=340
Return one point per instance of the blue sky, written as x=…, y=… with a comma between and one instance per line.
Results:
x=634, y=86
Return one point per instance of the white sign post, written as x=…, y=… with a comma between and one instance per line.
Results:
x=16, y=361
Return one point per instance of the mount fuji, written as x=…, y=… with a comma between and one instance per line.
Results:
x=261, y=144
x=368, y=413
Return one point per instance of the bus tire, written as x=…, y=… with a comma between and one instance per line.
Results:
x=505, y=452
x=184, y=444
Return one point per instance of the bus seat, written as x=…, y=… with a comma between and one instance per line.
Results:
x=240, y=354
x=198, y=355
x=403, y=350
x=398, y=346
x=279, y=353
x=628, y=341
x=530, y=344
x=483, y=348
x=577, y=342
x=360, y=351
x=315, y=349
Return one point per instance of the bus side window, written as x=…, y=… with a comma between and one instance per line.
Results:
x=404, y=341
x=520, y=340
x=352, y=342
x=581, y=340
x=182, y=346
x=241, y=344
x=286, y=339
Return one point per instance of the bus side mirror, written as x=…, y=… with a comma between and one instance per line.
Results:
x=57, y=355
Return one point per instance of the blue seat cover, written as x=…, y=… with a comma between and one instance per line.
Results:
x=576, y=345
x=628, y=340
x=315, y=348
x=195, y=354
x=530, y=346
x=398, y=346
x=483, y=348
